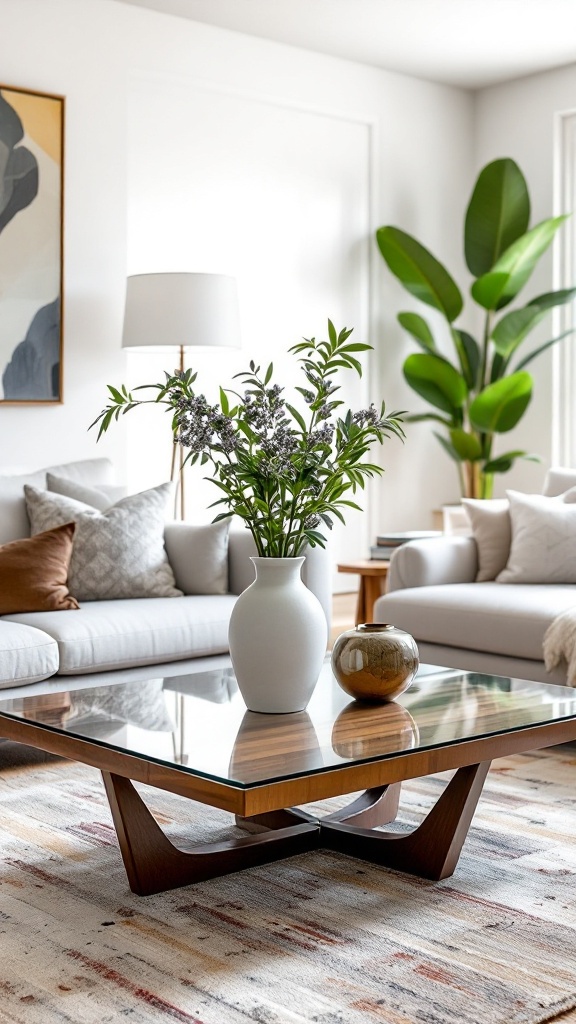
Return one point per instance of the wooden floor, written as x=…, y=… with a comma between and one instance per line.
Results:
x=343, y=608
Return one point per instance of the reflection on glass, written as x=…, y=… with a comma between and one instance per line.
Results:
x=218, y=686
x=363, y=730
x=48, y=708
x=102, y=710
x=273, y=744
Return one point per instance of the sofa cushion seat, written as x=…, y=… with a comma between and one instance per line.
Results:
x=26, y=654
x=105, y=635
x=508, y=619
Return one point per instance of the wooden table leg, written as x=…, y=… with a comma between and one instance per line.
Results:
x=369, y=590
x=153, y=864
x=431, y=850
x=372, y=808
x=361, y=601
x=372, y=591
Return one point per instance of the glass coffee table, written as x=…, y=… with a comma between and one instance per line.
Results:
x=192, y=735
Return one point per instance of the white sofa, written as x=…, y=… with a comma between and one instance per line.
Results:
x=483, y=627
x=105, y=636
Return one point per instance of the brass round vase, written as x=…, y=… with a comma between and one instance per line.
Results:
x=375, y=661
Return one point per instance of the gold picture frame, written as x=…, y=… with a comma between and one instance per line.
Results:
x=31, y=246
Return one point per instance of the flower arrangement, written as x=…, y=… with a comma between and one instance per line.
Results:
x=285, y=475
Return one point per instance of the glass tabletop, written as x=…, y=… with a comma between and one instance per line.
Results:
x=198, y=723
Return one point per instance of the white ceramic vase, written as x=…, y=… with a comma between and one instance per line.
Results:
x=278, y=636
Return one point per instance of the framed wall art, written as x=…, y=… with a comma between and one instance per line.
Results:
x=31, y=245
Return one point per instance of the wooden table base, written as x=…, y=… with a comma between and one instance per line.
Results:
x=153, y=864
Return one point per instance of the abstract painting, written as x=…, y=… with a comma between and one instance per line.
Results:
x=31, y=222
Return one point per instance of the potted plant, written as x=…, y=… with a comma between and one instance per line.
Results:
x=485, y=389
x=287, y=473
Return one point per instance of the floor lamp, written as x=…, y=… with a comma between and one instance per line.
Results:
x=181, y=310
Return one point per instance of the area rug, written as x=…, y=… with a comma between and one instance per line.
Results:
x=319, y=938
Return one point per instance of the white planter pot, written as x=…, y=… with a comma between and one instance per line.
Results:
x=278, y=636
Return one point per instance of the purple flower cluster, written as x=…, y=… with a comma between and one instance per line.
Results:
x=324, y=435
x=368, y=417
x=201, y=425
x=265, y=412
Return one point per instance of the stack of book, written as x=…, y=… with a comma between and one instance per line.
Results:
x=388, y=543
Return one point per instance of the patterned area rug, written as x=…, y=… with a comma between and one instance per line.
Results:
x=319, y=938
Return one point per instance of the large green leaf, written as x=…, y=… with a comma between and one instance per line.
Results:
x=436, y=380
x=498, y=368
x=468, y=354
x=498, y=214
x=421, y=417
x=448, y=448
x=513, y=269
x=419, y=328
x=511, y=330
x=467, y=445
x=504, y=462
x=542, y=348
x=514, y=327
x=419, y=271
x=501, y=405
x=550, y=299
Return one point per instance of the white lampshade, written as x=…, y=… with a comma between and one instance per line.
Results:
x=181, y=310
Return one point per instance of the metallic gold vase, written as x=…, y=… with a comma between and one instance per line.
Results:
x=375, y=661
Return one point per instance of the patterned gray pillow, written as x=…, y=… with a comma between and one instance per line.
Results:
x=117, y=553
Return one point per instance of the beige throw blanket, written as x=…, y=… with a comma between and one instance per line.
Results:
x=560, y=644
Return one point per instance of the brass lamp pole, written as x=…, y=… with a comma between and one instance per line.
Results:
x=180, y=492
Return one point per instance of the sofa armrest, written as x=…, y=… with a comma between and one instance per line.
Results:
x=428, y=563
x=316, y=571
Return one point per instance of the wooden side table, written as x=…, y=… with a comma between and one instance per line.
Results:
x=371, y=573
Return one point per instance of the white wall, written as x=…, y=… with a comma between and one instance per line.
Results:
x=273, y=194
x=517, y=119
x=420, y=162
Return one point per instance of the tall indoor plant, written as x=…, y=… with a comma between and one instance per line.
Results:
x=287, y=473
x=485, y=389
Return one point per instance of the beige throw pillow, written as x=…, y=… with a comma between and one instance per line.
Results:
x=117, y=553
x=490, y=522
x=543, y=548
x=491, y=527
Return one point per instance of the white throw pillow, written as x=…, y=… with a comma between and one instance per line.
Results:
x=543, y=548
x=491, y=527
x=490, y=522
x=118, y=553
x=100, y=497
x=199, y=556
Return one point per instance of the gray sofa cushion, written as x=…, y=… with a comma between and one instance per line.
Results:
x=26, y=654
x=198, y=556
x=558, y=479
x=101, y=497
x=14, y=523
x=146, y=631
x=496, y=617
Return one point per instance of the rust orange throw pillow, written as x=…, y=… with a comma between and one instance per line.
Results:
x=33, y=572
